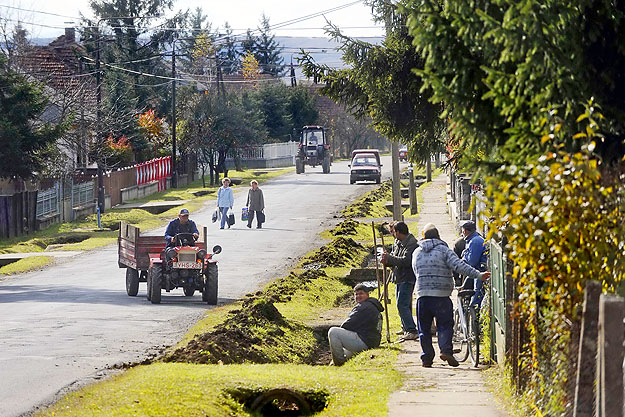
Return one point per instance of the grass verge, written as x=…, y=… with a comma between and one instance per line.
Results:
x=498, y=381
x=30, y=263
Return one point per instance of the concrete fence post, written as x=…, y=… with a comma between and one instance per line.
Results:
x=609, y=375
x=587, y=354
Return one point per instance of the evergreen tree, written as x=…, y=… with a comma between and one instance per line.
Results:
x=24, y=137
x=193, y=46
x=228, y=53
x=267, y=50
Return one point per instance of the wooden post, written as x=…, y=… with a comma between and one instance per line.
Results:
x=375, y=253
x=385, y=296
x=609, y=398
x=587, y=355
x=412, y=191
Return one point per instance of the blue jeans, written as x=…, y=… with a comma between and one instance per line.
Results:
x=479, y=294
x=224, y=216
x=403, y=291
x=441, y=308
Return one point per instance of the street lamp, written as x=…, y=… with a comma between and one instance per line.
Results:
x=100, y=171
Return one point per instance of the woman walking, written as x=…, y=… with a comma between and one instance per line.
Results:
x=255, y=204
x=225, y=201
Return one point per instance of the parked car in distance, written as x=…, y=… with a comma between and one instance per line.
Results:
x=365, y=166
x=403, y=153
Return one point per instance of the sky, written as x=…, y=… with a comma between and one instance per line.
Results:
x=38, y=16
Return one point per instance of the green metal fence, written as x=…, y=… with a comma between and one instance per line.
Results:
x=497, y=266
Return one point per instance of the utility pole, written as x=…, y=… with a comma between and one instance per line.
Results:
x=174, y=174
x=99, y=162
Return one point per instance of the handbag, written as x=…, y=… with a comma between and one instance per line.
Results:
x=230, y=219
x=215, y=215
x=244, y=214
x=261, y=217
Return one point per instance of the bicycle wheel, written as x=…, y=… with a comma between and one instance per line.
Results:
x=474, y=336
x=459, y=339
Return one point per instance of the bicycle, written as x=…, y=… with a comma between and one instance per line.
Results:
x=466, y=336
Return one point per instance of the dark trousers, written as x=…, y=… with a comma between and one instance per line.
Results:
x=427, y=309
x=404, y=306
x=250, y=217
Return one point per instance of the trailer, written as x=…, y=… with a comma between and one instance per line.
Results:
x=186, y=265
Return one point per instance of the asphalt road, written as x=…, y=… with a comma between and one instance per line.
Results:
x=66, y=325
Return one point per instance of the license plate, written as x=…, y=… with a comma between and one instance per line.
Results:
x=187, y=265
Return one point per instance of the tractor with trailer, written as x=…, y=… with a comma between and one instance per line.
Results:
x=185, y=265
x=314, y=149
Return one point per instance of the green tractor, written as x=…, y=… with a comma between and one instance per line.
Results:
x=314, y=149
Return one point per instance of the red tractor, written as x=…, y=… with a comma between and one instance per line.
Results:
x=185, y=265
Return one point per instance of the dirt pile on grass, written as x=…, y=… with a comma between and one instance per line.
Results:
x=258, y=333
x=364, y=206
x=339, y=253
x=345, y=228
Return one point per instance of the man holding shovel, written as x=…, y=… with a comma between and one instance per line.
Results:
x=400, y=259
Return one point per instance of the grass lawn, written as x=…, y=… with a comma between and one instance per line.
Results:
x=359, y=388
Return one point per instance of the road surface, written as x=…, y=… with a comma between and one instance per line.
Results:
x=64, y=326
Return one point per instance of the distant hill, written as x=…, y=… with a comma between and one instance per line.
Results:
x=323, y=50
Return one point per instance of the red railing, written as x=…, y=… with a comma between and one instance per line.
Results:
x=154, y=170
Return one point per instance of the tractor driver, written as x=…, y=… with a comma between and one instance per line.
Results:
x=180, y=225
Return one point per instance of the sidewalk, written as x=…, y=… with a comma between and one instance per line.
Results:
x=440, y=390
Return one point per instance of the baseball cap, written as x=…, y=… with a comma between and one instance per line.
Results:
x=469, y=226
x=184, y=212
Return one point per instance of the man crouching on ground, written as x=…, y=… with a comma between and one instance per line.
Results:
x=361, y=331
x=433, y=263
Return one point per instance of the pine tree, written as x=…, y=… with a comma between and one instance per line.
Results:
x=228, y=53
x=267, y=50
x=24, y=138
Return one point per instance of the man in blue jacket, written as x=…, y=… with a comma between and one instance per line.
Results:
x=475, y=255
x=361, y=331
x=180, y=225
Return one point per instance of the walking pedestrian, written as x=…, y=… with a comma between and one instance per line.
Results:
x=433, y=263
x=400, y=259
x=225, y=201
x=255, y=204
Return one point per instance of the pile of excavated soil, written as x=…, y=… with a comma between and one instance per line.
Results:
x=338, y=253
x=363, y=207
x=346, y=227
x=237, y=339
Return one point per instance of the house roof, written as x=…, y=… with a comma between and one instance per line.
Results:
x=58, y=66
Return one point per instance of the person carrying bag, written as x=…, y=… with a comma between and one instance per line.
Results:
x=256, y=205
x=225, y=201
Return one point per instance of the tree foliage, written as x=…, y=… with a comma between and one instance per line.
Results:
x=24, y=136
x=562, y=216
x=380, y=84
x=497, y=65
x=267, y=50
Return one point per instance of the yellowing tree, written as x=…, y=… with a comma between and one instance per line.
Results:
x=250, y=67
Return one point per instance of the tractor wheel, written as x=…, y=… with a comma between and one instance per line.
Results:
x=351, y=181
x=132, y=282
x=188, y=291
x=298, y=166
x=326, y=165
x=209, y=294
x=149, y=285
x=155, y=275
x=378, y=180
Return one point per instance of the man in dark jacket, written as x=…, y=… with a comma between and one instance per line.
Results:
x=403, y=276
x=361, y=331
x=180, y=225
